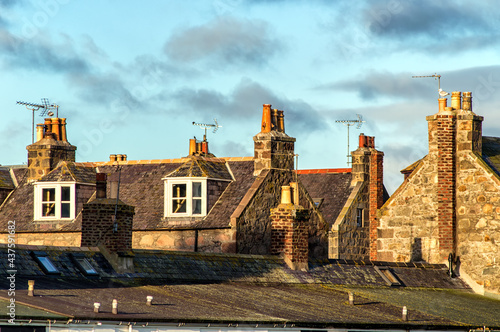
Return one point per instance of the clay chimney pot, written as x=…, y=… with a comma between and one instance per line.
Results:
x=266, y=118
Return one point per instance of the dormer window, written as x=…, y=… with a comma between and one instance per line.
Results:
x=185, y=197
x=54, y=201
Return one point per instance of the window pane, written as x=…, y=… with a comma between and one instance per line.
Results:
x=47, y=263
x=65, y=210
x=48, y=210
x=179, y=190
x=196, y=189
x=196, y=206
x=49, y=195
x=84, y=263
x=65, y=194
x=179, y=206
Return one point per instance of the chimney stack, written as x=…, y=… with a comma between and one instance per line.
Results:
x=290, y=232
x=273, y=148
x=107, y=224
x=50, y=148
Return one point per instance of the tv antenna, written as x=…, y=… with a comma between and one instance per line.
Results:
x=437, y=77
x=206, y=126
x=46, y=108
x=350, y=123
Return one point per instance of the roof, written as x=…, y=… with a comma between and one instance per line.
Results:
x=491, y=152
x=330, y=188
x=70, y=171
x=227, y=289
x=202, y=167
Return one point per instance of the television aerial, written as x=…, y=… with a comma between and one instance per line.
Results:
x=437, y=77
x=206, y=126
x=46, y=109
x=350, y=123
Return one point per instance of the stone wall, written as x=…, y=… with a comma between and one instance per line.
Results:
x=254, y=223
x=347, y=240
x=408, y=229
x=478, y=223
x=59, y=239
x=207, y=240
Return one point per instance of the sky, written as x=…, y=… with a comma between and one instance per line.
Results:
x=131, y=77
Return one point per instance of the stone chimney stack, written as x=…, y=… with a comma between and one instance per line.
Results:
x=107, y=224
x=50, y=148
x=273, y=148
x=469, y=127
x=290, y=231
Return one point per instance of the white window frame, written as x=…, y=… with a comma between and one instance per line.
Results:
x=38, y=200
x=169, y=197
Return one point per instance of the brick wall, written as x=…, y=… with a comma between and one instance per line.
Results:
x=289, y=234
x=98, y=225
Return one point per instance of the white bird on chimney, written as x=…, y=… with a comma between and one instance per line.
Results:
x=442, y=93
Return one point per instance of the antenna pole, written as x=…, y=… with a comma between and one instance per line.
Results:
x=45, y=106
x=435, y=76
x=349, y=123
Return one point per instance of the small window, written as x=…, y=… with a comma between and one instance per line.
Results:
x=388, y=276
x=54, y=201
x=83, y=264
x=317, y=202
x=45, y=262
x=185, y=197
x=359, y=218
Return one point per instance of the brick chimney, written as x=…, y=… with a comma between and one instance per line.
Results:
x=442, y=149
x=367, y=166
x=290, y=231
x=50, y=148
x=273, y=148
x=107, y=224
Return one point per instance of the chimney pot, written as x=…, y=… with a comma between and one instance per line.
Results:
x=149, y=300
x=295, y=192
x=362, y=141
x=114, y=308
x=467, y=101
x=274, y=119
x=55, y=128
x=31, y=287
x=112, y=157
x=281, y=121
x=405, y=314
x=64, y=135
x=39, y=131
x=285, y=195
x=97, y=305
x=100, y=185
x=351, y=298
x=266, y=118
x=442, y=104
x=119, y=157
x=456, y=100
x=192, y=146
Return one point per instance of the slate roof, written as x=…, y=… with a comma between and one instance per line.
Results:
x=491, y=152
x=332, y=186
x=196, y=166
x=201, y=288
x=70, y=171
x=6, y=179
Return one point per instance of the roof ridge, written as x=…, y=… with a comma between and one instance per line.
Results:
x=324, y=171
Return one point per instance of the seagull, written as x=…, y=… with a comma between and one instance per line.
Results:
x=443, y=93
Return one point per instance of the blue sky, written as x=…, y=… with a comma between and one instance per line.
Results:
x=131, y=77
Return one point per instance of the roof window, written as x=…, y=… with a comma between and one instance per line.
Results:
x=83, y=264
x=45, y=262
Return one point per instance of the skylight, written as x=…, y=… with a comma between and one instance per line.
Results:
x=45, y=262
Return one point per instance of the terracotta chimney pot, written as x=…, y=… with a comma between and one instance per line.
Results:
x=55, y=128
x=64, y=136
x=39, y=131
x=274, y=119
x=266, y=118
x=192, y=146
x=281, y=121
x=112, y=157
x=442, y=104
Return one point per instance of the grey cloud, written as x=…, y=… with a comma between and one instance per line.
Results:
x=384, y=84
x=224, y=41
x=245, y=101
x=433, y=26
x=41, y=56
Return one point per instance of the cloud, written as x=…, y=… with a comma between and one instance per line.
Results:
x=377, y=85
x=224, y=41
x=433, y=26
x=245, y=102
x=40, y=55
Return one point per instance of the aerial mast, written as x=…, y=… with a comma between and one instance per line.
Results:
x=206, y=126
x=350, y=123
